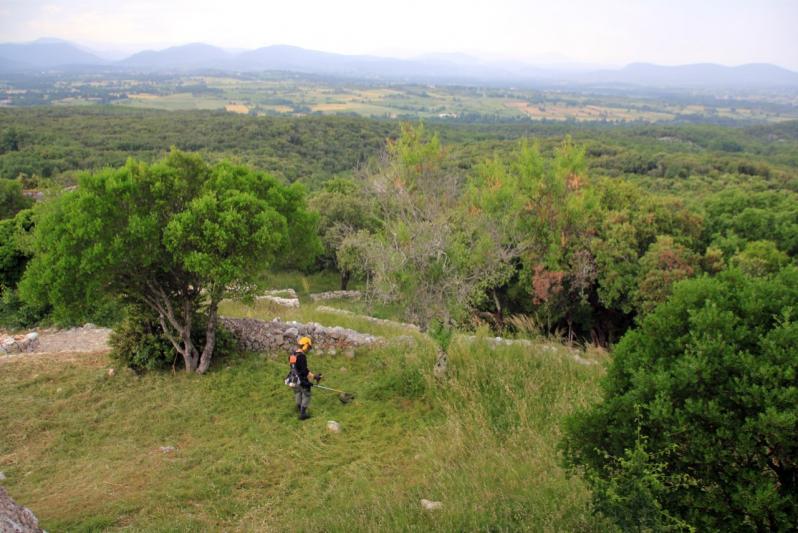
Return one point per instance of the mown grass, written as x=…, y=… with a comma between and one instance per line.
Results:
x=82, y=449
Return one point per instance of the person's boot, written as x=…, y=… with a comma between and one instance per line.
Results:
x=303, y=413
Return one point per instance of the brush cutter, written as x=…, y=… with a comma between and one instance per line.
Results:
x=345, y=397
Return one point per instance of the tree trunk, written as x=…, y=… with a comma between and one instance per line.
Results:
x=441, y=365
x=189, y=352
x=345, y=275
x=499, y=311
x=210, y=338
x=179, y=334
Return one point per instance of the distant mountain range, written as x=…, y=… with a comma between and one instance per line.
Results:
x=52, y=54
x=45, y=54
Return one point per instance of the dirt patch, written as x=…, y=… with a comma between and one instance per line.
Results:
x=85, y=339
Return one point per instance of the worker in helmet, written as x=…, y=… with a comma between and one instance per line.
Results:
x=299, y=367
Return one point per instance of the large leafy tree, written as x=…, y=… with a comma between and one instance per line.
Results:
x=700, y=410
x=175, y=237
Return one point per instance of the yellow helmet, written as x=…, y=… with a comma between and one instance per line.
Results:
x=305, y=342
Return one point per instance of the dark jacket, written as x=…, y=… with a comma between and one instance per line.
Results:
x=302, y=369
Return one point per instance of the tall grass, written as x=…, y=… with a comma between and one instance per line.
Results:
x=83, y=449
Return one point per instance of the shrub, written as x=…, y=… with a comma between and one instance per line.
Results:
x=441, y=333
x=138, y=341
x=712, y=374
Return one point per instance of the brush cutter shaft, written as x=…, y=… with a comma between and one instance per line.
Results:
x=330, y=388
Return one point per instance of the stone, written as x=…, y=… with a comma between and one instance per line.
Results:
x=168, y=449
x=2, y=476
x=111, y=372
x=285, y=302
x=9, y=345
x=343, y=370
x=429, y=505
x=333, y=426
x=16, y=518
x=350, y=353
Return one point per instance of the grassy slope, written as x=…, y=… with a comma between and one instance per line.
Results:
x=82, y=449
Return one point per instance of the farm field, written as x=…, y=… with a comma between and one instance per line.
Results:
x=298, y=95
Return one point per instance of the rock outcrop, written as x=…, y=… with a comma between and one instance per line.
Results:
x=20, y=343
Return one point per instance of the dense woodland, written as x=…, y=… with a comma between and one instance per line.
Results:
x=596, y=222
x=592, y=234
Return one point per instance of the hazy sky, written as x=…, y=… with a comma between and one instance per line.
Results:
x=593, y=31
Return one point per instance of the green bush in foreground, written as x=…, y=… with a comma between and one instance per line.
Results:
x=701, y=405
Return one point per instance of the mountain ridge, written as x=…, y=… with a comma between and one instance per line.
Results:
x=59, y=54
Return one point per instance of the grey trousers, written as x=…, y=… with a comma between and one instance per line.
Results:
x=302, y=396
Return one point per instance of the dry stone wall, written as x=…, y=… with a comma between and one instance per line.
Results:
x=277, y=336
x=335, y=295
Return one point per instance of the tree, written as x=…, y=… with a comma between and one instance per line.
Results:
x=344, y=210
x=428, y=255
x=631, y=221
x=14, y=248
x=541, y=213
x=664, y=263
x=760, y=258
x=9, y=141
x=12, y=200
x=174, y=237
x=707, y=382
x=735, y=217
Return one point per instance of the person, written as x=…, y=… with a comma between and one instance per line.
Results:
x=303, y=376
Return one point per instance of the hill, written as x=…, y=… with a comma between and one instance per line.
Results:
x=437, y=68
x=186, y=57
x=93, y=452
x=44, y=54
x=698, y=75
